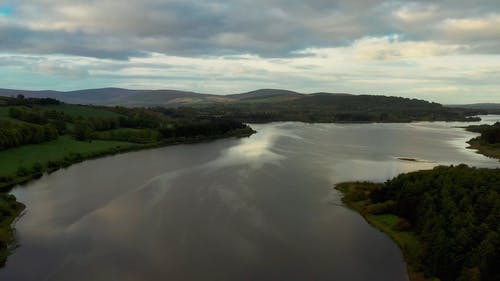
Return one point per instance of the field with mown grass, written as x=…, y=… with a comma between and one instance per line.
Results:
x=26, y=156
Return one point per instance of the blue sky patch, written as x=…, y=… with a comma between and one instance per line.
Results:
x=5, y=11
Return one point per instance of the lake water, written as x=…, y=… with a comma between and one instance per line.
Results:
x=258, y=208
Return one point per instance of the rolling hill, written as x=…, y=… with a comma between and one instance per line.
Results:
x=266, y=105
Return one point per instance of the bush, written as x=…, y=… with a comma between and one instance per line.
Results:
x=37, y=167
x=22, y=171
x=356, y=195
x=402, y=225
x=380, y=208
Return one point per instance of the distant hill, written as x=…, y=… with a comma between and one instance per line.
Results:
x=116, y=96
x=491, y=108
x=267, y=105
x=271, y=94
x=170, y=98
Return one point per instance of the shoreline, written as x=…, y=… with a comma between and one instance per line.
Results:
x=487, y=150
x=12, y=210
x=406, y=241
x=74, y=158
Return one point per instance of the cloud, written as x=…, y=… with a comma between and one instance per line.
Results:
x=415, y=13
x=268, y=28
x=359, y=46
x=469, y=29
x=65, y=70
x=391, y=48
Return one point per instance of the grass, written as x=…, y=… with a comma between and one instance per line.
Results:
x=81, y=110
x=4, y=114
x=26, y=156
x=355, y=197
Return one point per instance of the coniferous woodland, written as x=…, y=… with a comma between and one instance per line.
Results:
x=488, y=143
x=453, y=212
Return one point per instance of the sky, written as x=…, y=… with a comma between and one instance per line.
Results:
x=446, y=51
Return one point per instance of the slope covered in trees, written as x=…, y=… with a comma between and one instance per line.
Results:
x=488, y=143
x=325, y=107
x=267, y=105
x=28, y=121
x=43, y=135
x=454, y=213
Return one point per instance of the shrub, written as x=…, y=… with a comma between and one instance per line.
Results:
x=380, y=208
x=22, y=171
x=402, y=225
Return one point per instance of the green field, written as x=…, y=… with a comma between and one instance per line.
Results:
x=4, y=113
x=26, y=156
x=82, y=110
x=69, y=109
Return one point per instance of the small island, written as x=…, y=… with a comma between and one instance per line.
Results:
x=444, y=220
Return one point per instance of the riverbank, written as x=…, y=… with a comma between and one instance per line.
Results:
x=23, y=164
x=486, y=149
x=62, y=153
x=488, y=143
x=10, y=209
x=445, y=220
x=355, y=197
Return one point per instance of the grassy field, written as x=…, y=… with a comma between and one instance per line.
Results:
x=4, y=114
x=82, y=110
x=407, y=241
x=26, y=156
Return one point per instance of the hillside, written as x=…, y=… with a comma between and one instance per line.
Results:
x=267, y=105
x=490, y=108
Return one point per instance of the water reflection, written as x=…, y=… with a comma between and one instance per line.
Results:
x=259, y=208
x=255, y=151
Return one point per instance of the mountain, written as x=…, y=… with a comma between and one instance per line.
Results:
x=126, y=97
x=264, y=95
x=267, y=105
x=491, y=108
x=169, y=98
x=102, y=96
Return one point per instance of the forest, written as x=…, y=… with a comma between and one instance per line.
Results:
x=28, y=121
x=453, y=212
x=336, y=108
x=488, y=143
x=43, y=135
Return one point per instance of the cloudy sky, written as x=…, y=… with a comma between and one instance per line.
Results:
x=446, y=51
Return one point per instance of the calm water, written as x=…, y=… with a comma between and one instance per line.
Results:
x=260, y=208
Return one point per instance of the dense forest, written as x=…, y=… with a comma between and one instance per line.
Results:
x=489, y=133
x=338, y=108
x=454, y=212
x=488, y=143
x=25, y=121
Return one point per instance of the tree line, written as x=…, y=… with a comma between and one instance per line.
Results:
x=137, y=125
x=17, y=134
x=489, y=133
x=455, y=211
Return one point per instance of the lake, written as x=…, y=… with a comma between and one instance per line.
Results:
x=257, y=208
